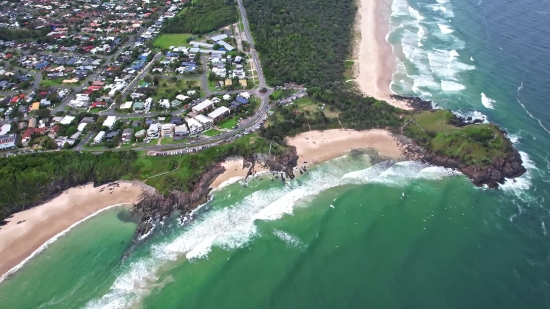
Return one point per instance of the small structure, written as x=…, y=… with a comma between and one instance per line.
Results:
x=204, y=105
x=66, y=120
x=206, y=122
x=127, y=135
x=7, y=141
x=180, y=131
x=167, y=129
x=195, y=127
x=110, y=122
x=126, y=105
x=99, y=137
x=219, y=113
x=153, y=131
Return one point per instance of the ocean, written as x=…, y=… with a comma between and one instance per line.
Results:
x=353, y=233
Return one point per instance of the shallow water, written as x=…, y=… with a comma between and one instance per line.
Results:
x=349, y=233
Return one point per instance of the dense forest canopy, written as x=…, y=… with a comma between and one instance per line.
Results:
x=29, y=179
x=302, y=41
x=202, y=17
x=307, y=42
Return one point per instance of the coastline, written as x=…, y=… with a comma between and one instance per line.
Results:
x=42, y=224
x=315, y=147
x=375, y=60
x=235, y=170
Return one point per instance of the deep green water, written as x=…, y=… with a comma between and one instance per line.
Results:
x=351, y=234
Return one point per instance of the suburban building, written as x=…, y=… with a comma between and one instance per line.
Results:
x=203, y=106
x=206, y=122
x=153, y=131
x=127, y=135
x=180, y=131
x=99, y=137
x=109, y=122
x=7, y=141
x=219, y=113
x=195, y=127
x=167, y=129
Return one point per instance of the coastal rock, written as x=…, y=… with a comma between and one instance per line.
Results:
x=418, y=104
x=493, y=174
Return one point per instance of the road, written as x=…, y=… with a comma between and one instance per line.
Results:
x=249, y=123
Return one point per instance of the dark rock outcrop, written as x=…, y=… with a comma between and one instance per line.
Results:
x=155, y=206
x=418, y=104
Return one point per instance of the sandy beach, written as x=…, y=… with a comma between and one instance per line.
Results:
x=41, y=223
x=375, y=59
x=234, y=171
x=315, y=147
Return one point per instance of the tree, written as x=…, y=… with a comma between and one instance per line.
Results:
x=147, y=79
x=156, y=80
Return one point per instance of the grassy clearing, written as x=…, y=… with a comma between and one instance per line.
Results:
x=167, y=88
x=176, y=39
x=52, y=82
x=281, y=94
x=211, y=132
x=192, y=166
x=229, y=124
x=472, y=144
x=310, y=105
x=169, y=141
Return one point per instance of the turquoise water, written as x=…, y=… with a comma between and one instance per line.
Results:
x=352, y=233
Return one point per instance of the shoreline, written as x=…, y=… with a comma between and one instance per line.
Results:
x=235, y=170
x=375, y=59
x=315, y=147
x=30, y=231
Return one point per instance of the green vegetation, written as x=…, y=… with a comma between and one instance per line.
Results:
x=281, y=94
x=348, y=73
x=168, y=141
x=28, y=180
x=471, y=144
x=229, y=124
x=173, y=39
x=302, y=42
x=202, y=17
x=52, y=82
x=289, y=36
x=187, y=169
x=211, y=132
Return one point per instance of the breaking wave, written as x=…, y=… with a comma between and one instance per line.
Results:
x=486, y=101
x=235, y=226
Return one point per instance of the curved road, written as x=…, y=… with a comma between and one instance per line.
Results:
x=248, y=123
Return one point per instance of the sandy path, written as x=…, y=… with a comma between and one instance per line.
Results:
x=376, y=61
x=41, y=223
x=315, y=147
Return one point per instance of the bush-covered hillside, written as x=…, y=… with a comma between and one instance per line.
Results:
x=200, y=17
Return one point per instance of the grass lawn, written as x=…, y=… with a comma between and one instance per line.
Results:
x=97, y=110
x=168, y=141
x=281, y=94
x=167, y=40
x=192, y=166
x=229, y=124
x=213, y=85
x=470, y=144
x=52, y=82
x=311, y=105
x=211, y=132
x=167, y=88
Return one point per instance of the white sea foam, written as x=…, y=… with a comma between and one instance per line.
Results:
x=234, y=227
x=51, y=240
x=229, y=181
x=289, y=239
x=445, y=29
x=486, y=101
x=451, y=86
x=519, y=185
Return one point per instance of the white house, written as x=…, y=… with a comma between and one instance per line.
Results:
x=195, y=127
x=99, y=137
x=153, y=131
x=206, y=122
x=109, y=122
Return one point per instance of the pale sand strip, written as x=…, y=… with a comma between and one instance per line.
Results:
x=18, y=241
x=315, y=147
x=376, y=61
x=234, y=172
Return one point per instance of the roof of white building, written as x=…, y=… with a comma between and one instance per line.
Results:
x=218, y=112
